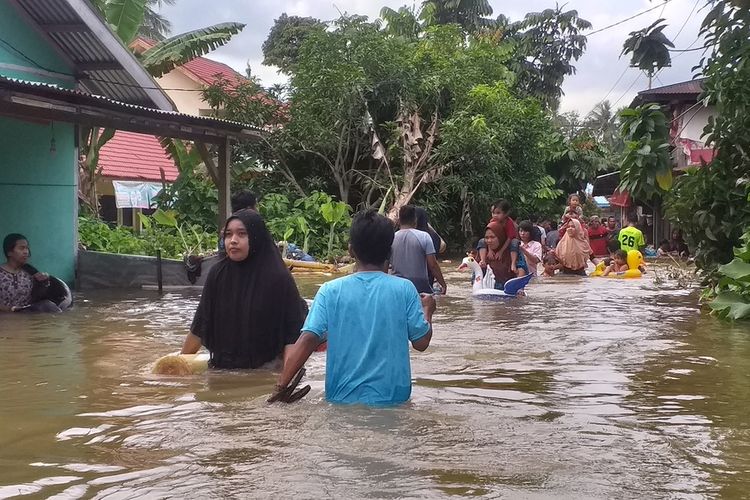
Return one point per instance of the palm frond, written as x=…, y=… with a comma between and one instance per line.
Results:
x=177, y=50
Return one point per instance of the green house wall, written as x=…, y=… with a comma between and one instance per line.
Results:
x=28, y=46
x=37, y=187
x=38, y=192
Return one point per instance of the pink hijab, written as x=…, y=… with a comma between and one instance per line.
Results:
x=573, y=251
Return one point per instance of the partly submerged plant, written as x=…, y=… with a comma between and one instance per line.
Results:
x=732, y=291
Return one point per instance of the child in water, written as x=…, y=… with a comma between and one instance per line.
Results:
x=619, y=263
x=550, y=263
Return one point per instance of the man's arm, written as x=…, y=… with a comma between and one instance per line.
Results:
x=295, y=357
x=428, y=308
x=434, y=267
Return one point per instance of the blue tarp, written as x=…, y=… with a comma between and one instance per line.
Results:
x=601, y=201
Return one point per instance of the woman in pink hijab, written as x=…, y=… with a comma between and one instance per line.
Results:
x=574, y=251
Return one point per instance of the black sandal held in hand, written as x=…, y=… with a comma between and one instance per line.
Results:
x=288, y=395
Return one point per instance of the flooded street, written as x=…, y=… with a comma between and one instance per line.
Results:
x=588, y=388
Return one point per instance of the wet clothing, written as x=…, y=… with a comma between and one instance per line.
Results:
x=631, y=238
x=598, y=240
x=574, y=250
x=370, y=318
x=423, y=224
x=249, y=310
x=15, y=288
x=534, y=248
x=409, y=253
x=500, y=262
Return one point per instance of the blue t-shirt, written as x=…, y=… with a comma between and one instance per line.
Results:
x=370, y=318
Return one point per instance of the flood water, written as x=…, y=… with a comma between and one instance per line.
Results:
x=587, y=388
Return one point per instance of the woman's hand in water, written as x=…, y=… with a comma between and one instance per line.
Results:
x=41, y=276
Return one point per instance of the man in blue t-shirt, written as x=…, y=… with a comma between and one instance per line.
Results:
x=369, y=319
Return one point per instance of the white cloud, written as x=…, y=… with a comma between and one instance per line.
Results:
x=598, y=70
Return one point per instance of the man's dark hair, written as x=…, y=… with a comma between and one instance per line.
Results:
x=407, y=215
x=502, y=205
x=613, y=245
x=553, y=225
x=243, y=200
x=526, y=226
x=371, y=237
x=633, y=217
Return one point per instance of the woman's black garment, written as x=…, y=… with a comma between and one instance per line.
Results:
x=423, y=224
x=249, y=310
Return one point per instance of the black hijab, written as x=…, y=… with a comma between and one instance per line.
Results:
x=249, y=310
x=423, y=224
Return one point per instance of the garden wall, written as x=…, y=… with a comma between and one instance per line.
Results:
x=109, y=270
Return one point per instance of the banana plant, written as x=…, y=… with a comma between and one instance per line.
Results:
x=126, y=18
x=334, y=212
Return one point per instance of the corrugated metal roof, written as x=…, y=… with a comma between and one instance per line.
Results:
x=77, y=29
x=681, y=92
x=134, y=156
x=688, y=87
x=77, y=96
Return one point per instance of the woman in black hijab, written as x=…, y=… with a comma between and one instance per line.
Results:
x=423, y=224
x=250, y=309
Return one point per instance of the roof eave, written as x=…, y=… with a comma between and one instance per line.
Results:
x=121, y=53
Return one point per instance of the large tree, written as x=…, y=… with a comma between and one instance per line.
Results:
x=287, y=35
x=548, y=42
x=471, y=15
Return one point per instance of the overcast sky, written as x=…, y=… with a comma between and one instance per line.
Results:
x=601, y=73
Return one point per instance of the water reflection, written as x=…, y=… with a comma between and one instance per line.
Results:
x=585, y=388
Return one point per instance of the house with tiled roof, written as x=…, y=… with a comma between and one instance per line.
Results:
x=63, y=69
x=132, y=164
x=688, y=116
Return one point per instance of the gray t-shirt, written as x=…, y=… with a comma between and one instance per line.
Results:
x=409, y=257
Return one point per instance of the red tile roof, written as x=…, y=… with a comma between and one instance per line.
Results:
x=131, y=156
x=207, y=70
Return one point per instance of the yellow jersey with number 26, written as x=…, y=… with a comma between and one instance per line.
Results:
x=631, y=238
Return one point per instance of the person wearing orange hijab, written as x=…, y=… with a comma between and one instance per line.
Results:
x=574, y=250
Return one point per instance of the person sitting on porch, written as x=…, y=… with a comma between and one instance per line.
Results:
x=21, y=283
x=250, y=310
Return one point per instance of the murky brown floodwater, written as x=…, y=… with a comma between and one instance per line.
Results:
x=588, y=388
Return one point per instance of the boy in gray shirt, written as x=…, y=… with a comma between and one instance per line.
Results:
x=413, y=253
